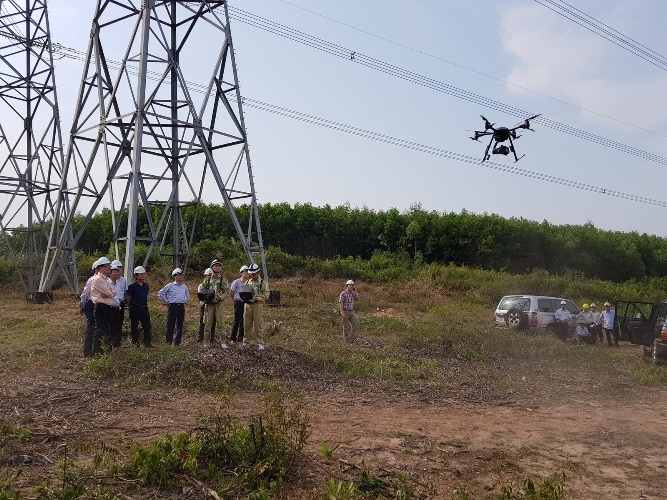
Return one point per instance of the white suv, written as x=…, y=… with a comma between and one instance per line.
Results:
x=534, y=313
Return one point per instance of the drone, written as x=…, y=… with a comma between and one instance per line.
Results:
x=501, y=134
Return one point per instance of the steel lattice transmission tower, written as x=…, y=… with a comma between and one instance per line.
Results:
x=147, y=138
x=31, y=152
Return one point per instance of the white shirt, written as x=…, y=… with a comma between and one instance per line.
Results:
x=607, y=319
x=582, y=331
x=562, y=314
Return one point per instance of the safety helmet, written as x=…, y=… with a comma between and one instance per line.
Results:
x=243, y=268
x=103, y=261
x=208, y=272
x=216, y=262
x=139, y=270
x=117, y=263
x=607, y=304
x=176, y=271
x=114, y=267
x=593, y=305
x=585, y=306
x=349, y=282
x=254, y=268
x=563, y=303
x=95, y=264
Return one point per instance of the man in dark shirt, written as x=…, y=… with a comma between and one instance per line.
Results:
x=137, y=300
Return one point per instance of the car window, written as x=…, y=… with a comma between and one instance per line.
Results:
x=638, y=311
x=507, y=303
x=571, y=307
x=662, y=313
x=545, y=305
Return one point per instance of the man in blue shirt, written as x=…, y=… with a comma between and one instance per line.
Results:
x=175, y=295
x=137, y=300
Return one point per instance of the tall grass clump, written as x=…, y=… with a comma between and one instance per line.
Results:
x=237, y=457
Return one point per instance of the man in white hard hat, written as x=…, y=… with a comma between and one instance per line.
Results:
x=116, y=319
x=239, y=306
x=175, y=295
x=346, y=301
x=219, y=287
x=607, y=320
x=102, y=295
x=563, y=318
x=86, y=307
x=121, y=290
x=253, y=310
x=203, y=299
x=137, y=301
x=597, y=329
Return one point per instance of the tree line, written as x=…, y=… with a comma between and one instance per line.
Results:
x=486, y=241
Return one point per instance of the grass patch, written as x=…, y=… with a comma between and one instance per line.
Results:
x=648, y=374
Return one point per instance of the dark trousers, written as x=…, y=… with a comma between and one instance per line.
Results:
x=202, y=325
x=90, y=329
x=102, y=335
x=609, y=332
x=117, y=316
x=237, y=327
x=175, y=317
x=139, y=314
x=596, y=331
x=561, y=330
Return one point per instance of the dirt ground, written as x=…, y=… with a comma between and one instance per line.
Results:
x=608, y=447
x=458, y=429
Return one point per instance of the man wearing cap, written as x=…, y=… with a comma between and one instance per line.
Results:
x=86, y=307
x=137, y=301
x=219, y=286
x=121, y=289
x=175, y=295
x=346, y=301
x=239, y=305
x=102, y=295
x=562, y=317
x=253, y=310
x=203, y=305
x=582, y=334
x=607, y=320
x=585, y=316
x=596, y=328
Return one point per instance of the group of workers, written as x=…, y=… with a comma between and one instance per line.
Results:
x=591, y=324
x=106, y=295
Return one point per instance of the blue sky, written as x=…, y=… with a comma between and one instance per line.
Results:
x=516, y=41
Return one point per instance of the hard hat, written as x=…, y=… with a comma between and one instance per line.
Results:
x=243, y=268
x=95, y=264
x=585, y=306
x=103, y=261
x=114, y=267
x=139, y=270
x=176, y=271
x=208, y=272
x=216, y=262
x=117, y=263
x=607, y=304
x=254, y=268
x=593, y=305
x=563, y=303
x=349, y=282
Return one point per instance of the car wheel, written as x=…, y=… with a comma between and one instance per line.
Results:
x=654, y=355
x=550, y=331
x=517, y=319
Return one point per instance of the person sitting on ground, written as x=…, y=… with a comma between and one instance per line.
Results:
x=586, y=316
x=582, y=334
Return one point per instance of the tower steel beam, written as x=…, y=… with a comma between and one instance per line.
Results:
x=31, y=151
x=141, y=130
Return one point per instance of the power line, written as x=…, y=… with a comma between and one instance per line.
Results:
x=404, y=74
x=441, y=59
x=422, y=148
x=599, y=28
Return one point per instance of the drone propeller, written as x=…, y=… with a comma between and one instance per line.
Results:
x=487, y=123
